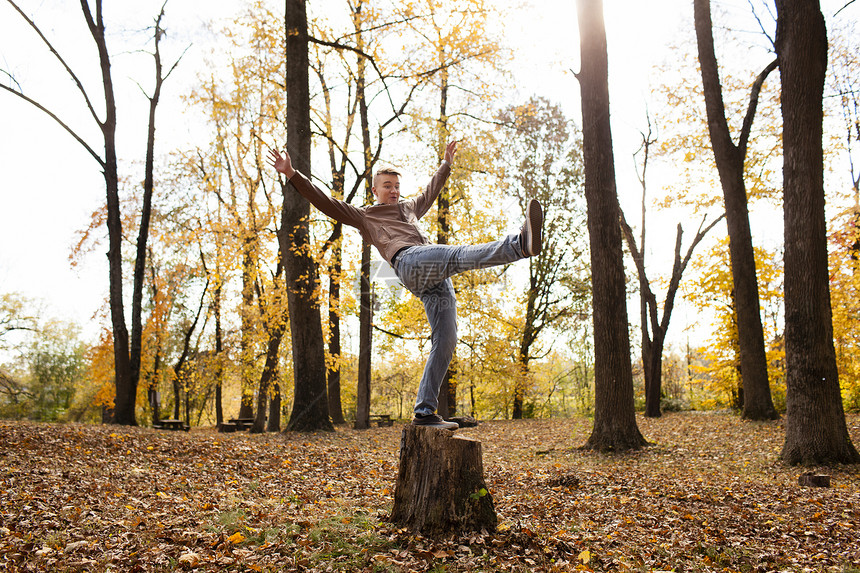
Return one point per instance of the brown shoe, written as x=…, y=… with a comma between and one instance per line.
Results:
x=531, y=235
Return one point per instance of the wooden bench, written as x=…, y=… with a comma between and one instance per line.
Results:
x=174, y=425
x=381, y=420
x=242, y=423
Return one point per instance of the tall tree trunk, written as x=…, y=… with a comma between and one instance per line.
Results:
x=654, y=376
x=815, y=429
x=270, y=372
x=652, y=386
x=335, y=242
x=152, y=387
x=365, y=312
x=124, y=380
x=335, y=270
x=275, y=320
x=177, y=395
x=246, y=342
x=310, y=405
x=614, y=417
x=145, y=213
x=219, y=352
x=155, y=373
x=652, y=349
x=448, y=390
x=519, y=387
x=126, y=384
x=365, y=342
x=729, y=157
x=178, y=369
x=447, y=407
x=526, y=340
x=274, y=423
x=335, y=407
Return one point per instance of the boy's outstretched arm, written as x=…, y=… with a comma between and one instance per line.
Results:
x=431, y=192
x=334, y=208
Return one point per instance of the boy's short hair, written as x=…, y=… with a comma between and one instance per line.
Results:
x=385, y=171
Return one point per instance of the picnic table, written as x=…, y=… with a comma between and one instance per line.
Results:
x=381, y=419
x=175, y=425
x=236, y=425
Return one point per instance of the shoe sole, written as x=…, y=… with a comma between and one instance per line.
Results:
x=534, y=228
x=443, y=425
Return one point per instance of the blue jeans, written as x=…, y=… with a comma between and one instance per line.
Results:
x=426, y=270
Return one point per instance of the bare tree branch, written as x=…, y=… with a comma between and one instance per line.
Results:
x=748, y=118
x=59, y=58
x=53, y=116
x=640, y=268
x=400, y=336
x=362, y=54
x=681, y=265
x=760, y=24
x=846, y=5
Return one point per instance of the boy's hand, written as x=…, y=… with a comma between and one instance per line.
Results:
x=450, y=150
x=281, y=163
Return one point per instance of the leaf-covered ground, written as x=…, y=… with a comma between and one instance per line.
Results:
x=710, y=495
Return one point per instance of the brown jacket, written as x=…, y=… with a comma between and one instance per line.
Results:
x=389, y=228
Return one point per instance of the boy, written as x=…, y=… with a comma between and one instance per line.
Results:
x=391, y=225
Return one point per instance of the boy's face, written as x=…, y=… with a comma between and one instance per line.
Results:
x=386, y=188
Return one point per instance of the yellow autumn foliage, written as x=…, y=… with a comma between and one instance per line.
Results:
x=845, y=302
x=711, y=292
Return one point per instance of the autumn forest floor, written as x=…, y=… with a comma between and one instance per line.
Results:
x=709, y=495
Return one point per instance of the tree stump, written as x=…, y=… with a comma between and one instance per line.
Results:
x=440, y=483
x=811, y=479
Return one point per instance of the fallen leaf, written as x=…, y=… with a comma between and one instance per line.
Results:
x=236, y=538
x=75, y=545
x=189, y=559
x=584, y=557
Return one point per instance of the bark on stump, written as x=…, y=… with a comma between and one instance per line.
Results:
x=440, y=483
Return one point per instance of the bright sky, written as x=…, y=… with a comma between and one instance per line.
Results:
x=49, y=185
